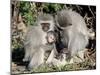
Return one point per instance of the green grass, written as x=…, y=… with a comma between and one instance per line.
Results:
x=68, y=67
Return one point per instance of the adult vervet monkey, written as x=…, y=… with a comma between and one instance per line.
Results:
x=36, y=41
x=74, y=33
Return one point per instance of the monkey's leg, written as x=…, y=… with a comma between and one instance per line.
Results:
x=37, y=59
x=80, y=56
x=26, y=57
x=27, y=54
x=73, y=56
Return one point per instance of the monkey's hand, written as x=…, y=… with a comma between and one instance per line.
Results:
x=49, y=60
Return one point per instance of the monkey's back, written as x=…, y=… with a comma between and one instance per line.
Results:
x=75, y=34
x=67, y=18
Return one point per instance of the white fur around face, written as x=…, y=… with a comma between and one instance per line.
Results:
x=51, y=24
x=44, y=41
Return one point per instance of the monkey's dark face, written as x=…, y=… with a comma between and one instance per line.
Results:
x=45, y=26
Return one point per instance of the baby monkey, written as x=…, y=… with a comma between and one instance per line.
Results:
x=64, y=54
x=50, y=49
x=51, y=37
x=55, y=58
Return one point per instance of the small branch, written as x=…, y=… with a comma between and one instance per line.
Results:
x=91, y=11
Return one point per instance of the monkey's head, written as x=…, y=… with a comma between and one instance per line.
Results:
x=51, y=37
x=63, y=19
x=46, y=22
x=64, y=54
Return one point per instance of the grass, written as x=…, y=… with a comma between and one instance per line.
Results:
x=86, y=65
x=68, y=67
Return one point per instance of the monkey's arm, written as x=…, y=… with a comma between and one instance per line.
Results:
x=52, y=55
x=37, y=59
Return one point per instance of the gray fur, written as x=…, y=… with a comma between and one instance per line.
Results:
x=36, y=44
x=74, y=30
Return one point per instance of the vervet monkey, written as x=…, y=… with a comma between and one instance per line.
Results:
x=74, y=32
x=37, y=39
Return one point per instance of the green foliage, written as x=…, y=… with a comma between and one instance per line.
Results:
x=29, y=10
x=26, y=11
x=52, y=8
x=68, y=67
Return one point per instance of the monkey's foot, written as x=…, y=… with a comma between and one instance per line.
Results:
x=76, y=59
